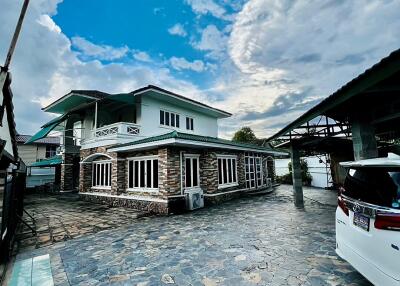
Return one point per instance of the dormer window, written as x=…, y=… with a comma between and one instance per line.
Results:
x=170, y=119
x=189, y=123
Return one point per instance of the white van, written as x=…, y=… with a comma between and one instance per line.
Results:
x=368, y=219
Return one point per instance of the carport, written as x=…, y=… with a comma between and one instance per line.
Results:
x=355, y=122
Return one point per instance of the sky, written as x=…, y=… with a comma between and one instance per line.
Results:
x=265, y=61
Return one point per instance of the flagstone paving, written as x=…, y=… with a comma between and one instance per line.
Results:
x=252, y=241
x=60, y=218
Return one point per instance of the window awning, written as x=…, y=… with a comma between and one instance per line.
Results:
x=47, y=128
x=50, y=162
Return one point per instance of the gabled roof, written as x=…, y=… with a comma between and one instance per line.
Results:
x=22, y=139
x=160, y=90
x=81, y=98
x=179, y=138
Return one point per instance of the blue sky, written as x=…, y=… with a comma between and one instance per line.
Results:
x=265, y=61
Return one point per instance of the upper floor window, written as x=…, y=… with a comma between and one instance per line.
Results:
x=50, y=151
x=169, y=118
x=102, y=174
x=189, y=123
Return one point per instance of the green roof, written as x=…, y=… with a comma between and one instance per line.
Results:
x=50, y=162
x=198, y=138
x=47, y=128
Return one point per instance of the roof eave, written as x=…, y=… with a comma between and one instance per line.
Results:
x=193, y=143
x=63, y=98
x=224, y=114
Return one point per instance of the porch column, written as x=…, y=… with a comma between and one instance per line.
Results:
x=296, y=175
x=118, y=176
x=364, y=141
x=67, y=175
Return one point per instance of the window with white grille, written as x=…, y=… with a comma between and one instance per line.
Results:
x=227, y=171
x=101, y=174
x=143, y=173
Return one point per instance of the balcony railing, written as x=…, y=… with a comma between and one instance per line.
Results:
x=116, y=129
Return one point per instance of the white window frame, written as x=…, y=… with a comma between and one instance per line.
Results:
x=103, y=185
x=191, y=157
x=169, y=120
x=253, y=157
x=145, y=188
x=233, y=183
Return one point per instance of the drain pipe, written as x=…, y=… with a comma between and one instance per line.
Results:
x=180, y=166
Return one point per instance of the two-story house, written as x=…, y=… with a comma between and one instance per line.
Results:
x=148, y=148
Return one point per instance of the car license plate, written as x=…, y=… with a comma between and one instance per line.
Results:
x=361, y=221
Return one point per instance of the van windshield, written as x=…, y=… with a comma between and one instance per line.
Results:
x=378, y=186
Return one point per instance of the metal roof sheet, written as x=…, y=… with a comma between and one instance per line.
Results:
x=381, y=70
x=49, y=162
x=47, y=140
x=198, y=138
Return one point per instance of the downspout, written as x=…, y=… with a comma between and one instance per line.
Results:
x=180, y=167
x=95, y=119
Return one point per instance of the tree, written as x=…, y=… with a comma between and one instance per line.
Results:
x=245, y=134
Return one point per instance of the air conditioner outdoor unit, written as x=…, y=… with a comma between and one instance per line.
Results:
x=194, y=199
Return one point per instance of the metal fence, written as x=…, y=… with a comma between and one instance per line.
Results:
x=12, y=189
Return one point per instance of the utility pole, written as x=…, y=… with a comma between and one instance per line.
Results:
x=4, y=70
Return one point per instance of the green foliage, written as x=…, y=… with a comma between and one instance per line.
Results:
x=305, y=174
x=245, y=135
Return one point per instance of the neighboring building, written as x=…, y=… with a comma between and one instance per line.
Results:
x=36, y=155
x=36, y=151
x=148, y=148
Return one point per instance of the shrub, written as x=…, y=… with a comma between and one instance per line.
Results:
x=305, y=174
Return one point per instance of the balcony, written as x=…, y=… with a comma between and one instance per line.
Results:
x=116, y=133
x=116, y=129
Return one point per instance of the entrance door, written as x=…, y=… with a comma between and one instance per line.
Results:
x=253, y=170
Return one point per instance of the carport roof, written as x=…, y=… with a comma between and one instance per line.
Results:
x=382, y=79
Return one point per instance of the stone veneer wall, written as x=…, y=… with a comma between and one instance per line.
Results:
x=66, y=183
x=85, y=170
x=169, y=178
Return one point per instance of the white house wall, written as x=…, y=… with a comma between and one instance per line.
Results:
x=150, y=119
x=317, y=170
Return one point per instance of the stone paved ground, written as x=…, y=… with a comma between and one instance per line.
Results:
x=252, y=241
x=60, y=218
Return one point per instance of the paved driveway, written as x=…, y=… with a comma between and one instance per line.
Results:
x=253, y=241
x=60, y=218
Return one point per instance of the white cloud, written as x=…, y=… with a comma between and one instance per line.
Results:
x=177, y=30
x=47, y=22
x=305, y=49
x=183, y=64
x=55, y=68
x=203, y=7
x=212, y=41
x=101, y=52
x=142, y=56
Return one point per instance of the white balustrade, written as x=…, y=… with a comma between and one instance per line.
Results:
x=116, y=129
